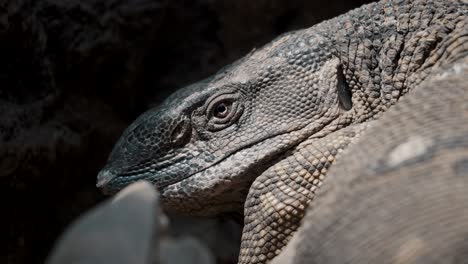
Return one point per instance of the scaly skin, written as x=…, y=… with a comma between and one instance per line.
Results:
x=399, y=195
x=261, y=134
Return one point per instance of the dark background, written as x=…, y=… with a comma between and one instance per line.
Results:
x=74, y=74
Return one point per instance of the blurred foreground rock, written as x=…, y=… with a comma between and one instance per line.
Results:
x=127, y=229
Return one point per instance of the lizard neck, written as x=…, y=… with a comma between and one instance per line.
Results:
x=398, y=48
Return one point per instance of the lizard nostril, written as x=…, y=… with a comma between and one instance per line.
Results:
x=181, y=133
x=104, y=177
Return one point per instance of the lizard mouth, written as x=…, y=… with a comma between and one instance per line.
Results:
x=110, y=182
x=224, y=185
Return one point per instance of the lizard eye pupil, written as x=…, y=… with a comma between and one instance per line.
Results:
x=221, y=110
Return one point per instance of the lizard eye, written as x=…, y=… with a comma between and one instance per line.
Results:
x=222, y=109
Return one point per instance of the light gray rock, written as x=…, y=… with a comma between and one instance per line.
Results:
x=121, y=230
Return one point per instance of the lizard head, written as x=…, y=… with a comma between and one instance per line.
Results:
x=203, y=147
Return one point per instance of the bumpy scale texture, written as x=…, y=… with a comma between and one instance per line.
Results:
x=399, y=194
x=260, y=136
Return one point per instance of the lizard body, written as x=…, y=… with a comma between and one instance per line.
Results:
x=400, y=196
